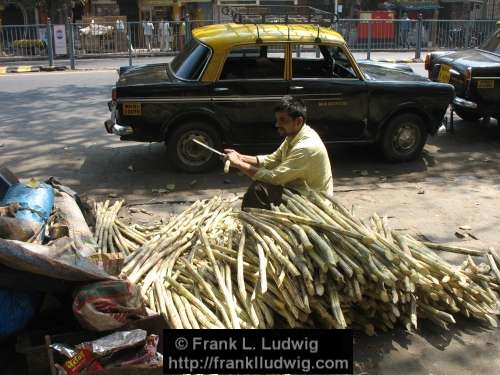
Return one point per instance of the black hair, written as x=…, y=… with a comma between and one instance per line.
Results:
x=295, y=107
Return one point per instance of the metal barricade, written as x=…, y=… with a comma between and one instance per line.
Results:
x=169, y=37
x=23, y=41
x=400, y=34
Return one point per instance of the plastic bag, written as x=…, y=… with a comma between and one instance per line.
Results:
x=114, y=342
x=63, y=349
x=148, y=355
x=82, y=361
x=108, y=305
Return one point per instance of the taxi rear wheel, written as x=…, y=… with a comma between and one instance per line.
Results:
x=403, y=138
x=185, y=154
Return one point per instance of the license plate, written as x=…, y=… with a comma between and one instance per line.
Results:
x=132, y=109
x=444, y=74
x=485, y=84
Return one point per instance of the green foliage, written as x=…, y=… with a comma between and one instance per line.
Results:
x=29, y=43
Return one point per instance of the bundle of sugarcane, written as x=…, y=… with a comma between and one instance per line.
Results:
x=384, y=276
x=309, y=261
x=112, y=235
x=179, y=274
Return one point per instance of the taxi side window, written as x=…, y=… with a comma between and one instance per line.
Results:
x=320, y=61
x=254, y=62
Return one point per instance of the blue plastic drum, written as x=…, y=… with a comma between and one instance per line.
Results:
x=36, y=202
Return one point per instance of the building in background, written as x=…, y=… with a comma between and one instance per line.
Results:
x=491, y=10
x=17, y=13
x=23, y=12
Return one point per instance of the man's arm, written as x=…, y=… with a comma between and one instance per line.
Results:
x=294, y=167
x=252, y=160
x=244, y=163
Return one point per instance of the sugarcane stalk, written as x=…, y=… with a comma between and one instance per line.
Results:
x=493, y=266
x=220, y=280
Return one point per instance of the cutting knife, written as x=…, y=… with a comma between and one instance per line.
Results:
x=209, y=148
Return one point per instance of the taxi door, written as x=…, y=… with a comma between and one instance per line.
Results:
x=332, y=89
x=250, y=85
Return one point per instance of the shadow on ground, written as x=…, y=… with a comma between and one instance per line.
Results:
x=467, y=348
x=61, y=134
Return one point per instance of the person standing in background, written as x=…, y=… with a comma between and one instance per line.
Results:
x=182, y=34
x=120, y=37
x=148, y=28
x=164, y=34
x=404, y=29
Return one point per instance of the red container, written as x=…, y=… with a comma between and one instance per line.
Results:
x=382, y=24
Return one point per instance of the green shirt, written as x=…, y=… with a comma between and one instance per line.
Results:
x=299, y=161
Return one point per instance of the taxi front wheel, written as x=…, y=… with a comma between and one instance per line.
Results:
x=403, y=138
x=188, y=156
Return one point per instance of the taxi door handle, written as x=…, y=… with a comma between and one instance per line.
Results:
x=221, y=89
x=297, y=87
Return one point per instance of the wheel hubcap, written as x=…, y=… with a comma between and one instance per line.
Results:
x=406, y=138
x=192, y=154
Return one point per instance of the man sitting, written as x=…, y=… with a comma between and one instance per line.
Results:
x=300, y=162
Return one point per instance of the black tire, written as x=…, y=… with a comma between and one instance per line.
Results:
x=186, y=155
x=468, y=115
x=403, y=138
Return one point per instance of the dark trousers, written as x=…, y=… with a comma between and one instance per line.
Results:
x=261, y=195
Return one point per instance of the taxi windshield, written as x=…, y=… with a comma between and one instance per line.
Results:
x=190, y=62
x=493, y=43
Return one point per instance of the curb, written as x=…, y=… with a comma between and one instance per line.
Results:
x=30, y=69
x=53, y=68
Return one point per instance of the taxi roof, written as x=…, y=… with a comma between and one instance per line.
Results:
x=229, y=34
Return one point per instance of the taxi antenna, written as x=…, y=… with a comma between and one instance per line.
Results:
x=318, y=39
x=259, y=40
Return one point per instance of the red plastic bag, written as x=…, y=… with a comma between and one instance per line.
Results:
x=108, y=305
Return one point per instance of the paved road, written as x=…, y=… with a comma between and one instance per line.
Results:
x=51, y=124
x=57, y=119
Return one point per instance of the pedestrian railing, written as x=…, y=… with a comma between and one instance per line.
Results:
x=404, y=34
x=130, y=37
x=135, y=39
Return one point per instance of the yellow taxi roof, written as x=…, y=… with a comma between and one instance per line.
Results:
x=229, y=34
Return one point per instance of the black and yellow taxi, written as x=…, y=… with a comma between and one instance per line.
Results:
x=475, y=74
x=222, y=89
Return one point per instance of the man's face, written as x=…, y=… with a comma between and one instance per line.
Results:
x=287, y=125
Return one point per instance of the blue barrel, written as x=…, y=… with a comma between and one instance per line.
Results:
x=36, y=202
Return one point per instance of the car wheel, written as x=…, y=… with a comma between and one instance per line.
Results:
x=403, y=138
x=468, y=115
x=187, y=155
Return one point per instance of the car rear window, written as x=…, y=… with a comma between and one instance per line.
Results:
x=191, y=61
x=254, y=62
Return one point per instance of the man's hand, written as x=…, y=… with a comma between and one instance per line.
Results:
x=233, y=156
x=244, y=163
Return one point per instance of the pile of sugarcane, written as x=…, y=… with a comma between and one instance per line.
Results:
x=307, y=263
x=114, y=236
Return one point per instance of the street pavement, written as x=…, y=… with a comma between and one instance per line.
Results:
x=115, y=62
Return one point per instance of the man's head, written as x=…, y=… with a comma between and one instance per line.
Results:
x=290, y=115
